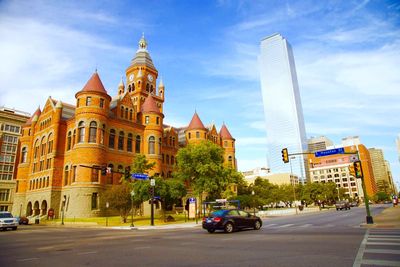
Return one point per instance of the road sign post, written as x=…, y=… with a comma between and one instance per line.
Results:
x=152, y=185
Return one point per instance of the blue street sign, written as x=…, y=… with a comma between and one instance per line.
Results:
x=329, y=152
x=140, y=176
x=192, y=200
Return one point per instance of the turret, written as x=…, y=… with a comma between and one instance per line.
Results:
x=121, y=87
x=161, y=89
x=228, y=143
x=152, y=119
x=196, y=132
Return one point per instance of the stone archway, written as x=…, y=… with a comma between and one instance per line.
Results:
x=36, y=210
x=43, y=207
x=29, y=210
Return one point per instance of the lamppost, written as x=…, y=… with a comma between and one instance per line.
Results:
x=292, y=181
x=132, y=195
x=107, y=205
x=254, y=202
x=63, y=208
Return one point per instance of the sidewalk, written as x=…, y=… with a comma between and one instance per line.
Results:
x=388, y=218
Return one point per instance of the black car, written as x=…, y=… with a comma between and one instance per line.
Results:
x=231, y=220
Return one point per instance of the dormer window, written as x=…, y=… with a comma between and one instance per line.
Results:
x=101, y=102
x=88, y=101
x=146, y=120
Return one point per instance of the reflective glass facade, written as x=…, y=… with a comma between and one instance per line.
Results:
x=282, y=105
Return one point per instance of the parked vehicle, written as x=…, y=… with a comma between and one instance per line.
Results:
x=340, y=205
x=354, y=204
x=23, y=220
x=231, y=220
x=7, y=221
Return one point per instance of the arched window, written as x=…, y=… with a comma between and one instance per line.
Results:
x=81, y=132
x=130, y=114
x=24, y=155
x=69, y=141
x=133, y=87
x=189, y=135
x=230, y=160
x=159, y=145
x=121, y=141
x=129, y=143
x=92, y=132
x=147, y=87
x=129, y=88
x=50, y=143
x=66, y=173
x=111, y=139
x=74, y=138
x=110, y=176
x=137, y=144
x=151, y=88
x=43, y=146
x=126, y=113
x=48, y=181
x=122, y=112
x=197, y=135
x=152, y=142
x=74, y=173
x=102, y=131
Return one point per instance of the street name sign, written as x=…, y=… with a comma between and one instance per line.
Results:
x=329, y=152
x=140, y=176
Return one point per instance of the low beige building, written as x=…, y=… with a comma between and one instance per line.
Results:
x=274, y=178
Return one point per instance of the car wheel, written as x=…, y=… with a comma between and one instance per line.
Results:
x=337, y=209
x=211, y=231
x=257, y=225
x=228, y=227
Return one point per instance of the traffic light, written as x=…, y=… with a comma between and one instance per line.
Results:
x=127, y=174
x=285, y=155
x=358, y=169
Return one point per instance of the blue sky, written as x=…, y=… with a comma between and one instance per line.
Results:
x=347, y=57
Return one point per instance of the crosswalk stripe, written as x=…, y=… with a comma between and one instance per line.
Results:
x=381, y=263
x=383, y=251
x=383, y=243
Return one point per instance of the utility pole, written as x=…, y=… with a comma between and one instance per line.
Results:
x=292, y=181
x=152, y=185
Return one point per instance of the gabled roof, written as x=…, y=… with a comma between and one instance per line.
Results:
x=150, y=105
x=224, y=133
x=196, y=123
x=94, y=85
x=37, y=113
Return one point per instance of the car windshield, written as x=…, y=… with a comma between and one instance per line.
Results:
x=5, y=215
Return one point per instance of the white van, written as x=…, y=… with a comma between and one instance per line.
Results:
x=7, y=221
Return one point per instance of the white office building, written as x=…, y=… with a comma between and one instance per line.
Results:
x=282, y=106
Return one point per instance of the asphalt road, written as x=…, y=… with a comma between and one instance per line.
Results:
x=328, y=238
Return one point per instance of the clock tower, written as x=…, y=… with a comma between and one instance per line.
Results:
x=141, y=78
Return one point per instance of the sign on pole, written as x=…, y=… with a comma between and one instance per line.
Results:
x=140, y=176
x=153, y=182
x=329, y=152
x=192, y=208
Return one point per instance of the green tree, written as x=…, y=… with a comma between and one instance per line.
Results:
x=119, y=199
x=201, y=166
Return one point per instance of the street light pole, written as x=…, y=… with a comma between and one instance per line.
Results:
x=107, y=205
x=292, y=181
x=254, y=204
x=132, y=195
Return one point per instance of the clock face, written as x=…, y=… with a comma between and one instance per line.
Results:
x=150, y=77
x=131, y=77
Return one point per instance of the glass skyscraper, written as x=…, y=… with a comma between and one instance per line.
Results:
x=282, y=106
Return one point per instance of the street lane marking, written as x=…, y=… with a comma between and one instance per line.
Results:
x=360, y=253
x=85, y=253
x=286, y=225
x=384, y=243
x=381, y=263
x=305, y=225
x=384, y=238
x=383, y=251
x=28, y=259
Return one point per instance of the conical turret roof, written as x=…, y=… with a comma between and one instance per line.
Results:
x=196, y=123
x=150, y=105
x=94, y=85
x=224, y=133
